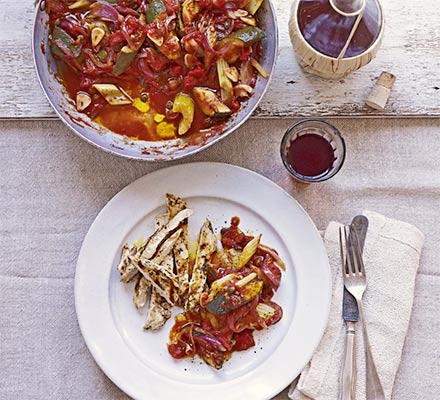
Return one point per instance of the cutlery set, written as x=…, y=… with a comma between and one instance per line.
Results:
x=351, y=241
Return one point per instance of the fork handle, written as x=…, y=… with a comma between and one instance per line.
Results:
x=373, y=385
x=348, y=372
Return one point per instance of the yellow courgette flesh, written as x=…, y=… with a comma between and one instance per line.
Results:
x=184, y=105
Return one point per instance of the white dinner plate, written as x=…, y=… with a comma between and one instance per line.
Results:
x=137, y=360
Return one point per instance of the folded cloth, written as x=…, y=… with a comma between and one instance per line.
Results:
x=391, y=257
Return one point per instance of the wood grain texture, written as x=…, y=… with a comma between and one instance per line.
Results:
x=411, y=51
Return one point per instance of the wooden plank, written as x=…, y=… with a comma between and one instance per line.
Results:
x=411, y=50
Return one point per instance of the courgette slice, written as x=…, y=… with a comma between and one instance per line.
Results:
x=253, y=6
x=66, y=39
x=184, y=105
x=112, y=94
x=227, y=302
x=124, y=60
x=208, y=102
x=190, y=8
x=227, y=90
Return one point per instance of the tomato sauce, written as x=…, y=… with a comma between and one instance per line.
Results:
x=127, y=120
x=224, y=322
x=153, y=52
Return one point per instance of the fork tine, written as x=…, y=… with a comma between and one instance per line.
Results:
x=348, y=257
x=360, y=266
x=341, y=248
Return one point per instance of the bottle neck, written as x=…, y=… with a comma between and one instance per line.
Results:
x=348, y=8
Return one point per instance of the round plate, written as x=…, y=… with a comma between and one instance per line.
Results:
x=137, y=360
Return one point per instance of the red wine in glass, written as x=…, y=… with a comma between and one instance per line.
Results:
x=313, y=150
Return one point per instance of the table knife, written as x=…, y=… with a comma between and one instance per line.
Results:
x=350, y=314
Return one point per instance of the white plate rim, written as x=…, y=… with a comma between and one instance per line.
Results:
x=314, y=327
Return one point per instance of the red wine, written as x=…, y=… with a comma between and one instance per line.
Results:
x=310, y=154
x=327, y=31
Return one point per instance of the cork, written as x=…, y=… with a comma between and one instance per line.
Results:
x=381, y=91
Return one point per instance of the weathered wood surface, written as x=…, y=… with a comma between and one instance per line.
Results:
x=411, y=51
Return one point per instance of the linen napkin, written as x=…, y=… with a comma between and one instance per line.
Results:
x=391, y=257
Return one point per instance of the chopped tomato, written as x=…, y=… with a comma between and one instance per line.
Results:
x=176, y=70
x=189, y=82
x=176, y=350
x=243, y=340
x=172, y=6
x=116, y=38
x=271, y=274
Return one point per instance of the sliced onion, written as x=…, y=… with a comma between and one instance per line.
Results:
x=104, y=11
x=126, y=34
x=97, y=61
x=246, y=72
x=167, y=22
x=274, y=255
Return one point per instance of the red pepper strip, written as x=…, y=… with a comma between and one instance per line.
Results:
x=116, y=38
x=126, y=29
x=69, y=57
x=107, y=67
x=271, y=273
x=73, y=28
x=172, y=6
x=243, y=340
x=235, y=105
x=147, y=74
x=156, y=61
x=127, y=11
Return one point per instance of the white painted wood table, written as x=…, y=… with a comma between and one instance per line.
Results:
x=53, y=184
x=411, y=51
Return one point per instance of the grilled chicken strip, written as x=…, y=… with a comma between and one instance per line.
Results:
x=181, y=254
x=147, y=250
x=175, y=204
x=207, y=245
x=142, y=292
x=143, y=286
x=161, y=279
x=161, y=233
x=163, y=251
x=129, y=256
x=160, y=311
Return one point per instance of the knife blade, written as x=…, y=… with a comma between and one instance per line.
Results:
x=350, y=314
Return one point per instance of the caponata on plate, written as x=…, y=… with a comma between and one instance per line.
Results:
x=226, y=292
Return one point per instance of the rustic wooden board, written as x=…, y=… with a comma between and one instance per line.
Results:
x=411, y=50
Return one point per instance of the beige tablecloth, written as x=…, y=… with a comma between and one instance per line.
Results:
x=52, y=185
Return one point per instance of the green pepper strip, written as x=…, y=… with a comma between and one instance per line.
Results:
x=154, y=9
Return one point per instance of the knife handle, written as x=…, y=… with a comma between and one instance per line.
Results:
x=348, y=372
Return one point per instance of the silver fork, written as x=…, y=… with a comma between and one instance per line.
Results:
x=355, y=281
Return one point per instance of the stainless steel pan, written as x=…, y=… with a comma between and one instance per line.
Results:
x=136, y=149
